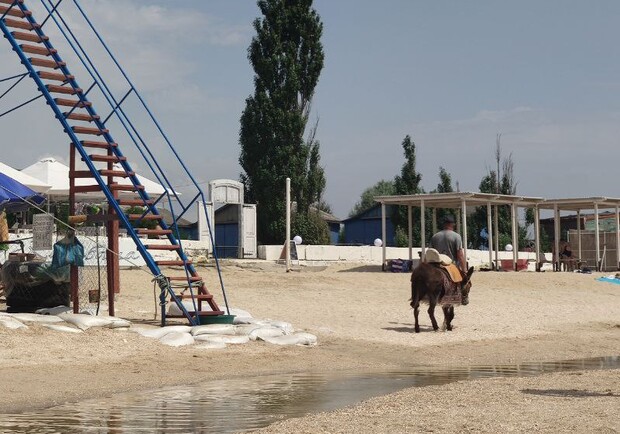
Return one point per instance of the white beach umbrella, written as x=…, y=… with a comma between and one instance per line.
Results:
x=33, y=182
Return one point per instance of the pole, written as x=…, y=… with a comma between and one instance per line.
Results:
x=287, y=246
x=579, y=255
x=515, y=240
x=597, y=241
x=490, y=236
x=537, y=236
x=410, y=231
x=383, y=236
x=464, y=219
x=618, y=235
x=423, y=230
x=556, y=237
x=73, y=270
x=496, y=236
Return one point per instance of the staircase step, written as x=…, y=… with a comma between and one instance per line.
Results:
x=32, y=37
x=155, y=232
x=46, y=75
x=72, y=103
x=173, y=263
x=125, y=187
x=14, y=12
x=136, y=202
x=89, y=130
x=184, y=279
x=34, y=49
x=20, y=24
x=116, y=173
x=162, y=246
x=135, y=217
x=97, y=145
x=62, y=89
x=81, y=116
x=87, y=188
x=107, y=158
x=196, y=296
x=10, y=2
x=46, y=63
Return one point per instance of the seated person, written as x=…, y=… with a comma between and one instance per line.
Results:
x=567, y=258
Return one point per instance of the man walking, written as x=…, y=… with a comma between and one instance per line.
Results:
x=449, y=243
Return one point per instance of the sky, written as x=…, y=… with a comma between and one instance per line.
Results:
x=452, y=74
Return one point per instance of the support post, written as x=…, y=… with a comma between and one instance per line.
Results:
x=537, y=236
x=464, y=220
x=618, y=236
x=423, y=230
x=410, y=231
x=597, y=241
x=579, y=255
x=556, y=238
x=112, y=254
x=383, y=235
x=515, y=235
x=73, y=270
x=490, y=236
x=496, y=236
x=287, y=245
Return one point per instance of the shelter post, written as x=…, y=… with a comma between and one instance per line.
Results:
x=537, y=237
x=618, y=236
x=597, y=240
x=464, y=212
x=287, y=241
x=423, y=230
x=579, y=234
x=410, y=231
x=515, y=240
x=383, y=234
x=490, y=234
x=496, y=236
x=112, y=254
x=73, y=270
x=556, y=237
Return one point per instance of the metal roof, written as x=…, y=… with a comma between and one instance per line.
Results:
x=454, y=200
x=579, y=203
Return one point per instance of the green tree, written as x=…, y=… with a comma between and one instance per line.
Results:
x=444, y=186
x=287, y=57
x=408, y=182
x=367, y=199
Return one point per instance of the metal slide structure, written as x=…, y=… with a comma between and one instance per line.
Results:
x=102, y=155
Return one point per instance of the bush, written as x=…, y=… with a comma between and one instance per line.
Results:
x=310, y=227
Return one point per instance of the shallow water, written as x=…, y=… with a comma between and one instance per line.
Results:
x=226, y=406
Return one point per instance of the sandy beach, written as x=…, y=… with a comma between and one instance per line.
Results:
x=363, y=322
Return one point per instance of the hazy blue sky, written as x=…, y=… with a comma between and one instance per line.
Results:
x=546, y=74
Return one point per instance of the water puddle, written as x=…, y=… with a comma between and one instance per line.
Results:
x=244, y=404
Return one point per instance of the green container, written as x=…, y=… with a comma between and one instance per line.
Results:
x=218, y=319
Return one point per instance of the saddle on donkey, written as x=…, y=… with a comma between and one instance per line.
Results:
x=452, y=276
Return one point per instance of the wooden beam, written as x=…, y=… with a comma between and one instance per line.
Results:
x=597, y=241
x=515, y=235
x=490, y=232
x=423, y=229
x=556, y=237
x=410, y=231
x=383, y=235
x=537, y=236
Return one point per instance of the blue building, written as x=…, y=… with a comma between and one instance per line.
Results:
x=365, y=227
x=334, y=224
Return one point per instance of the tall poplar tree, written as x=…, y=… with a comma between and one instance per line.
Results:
x=287, y=57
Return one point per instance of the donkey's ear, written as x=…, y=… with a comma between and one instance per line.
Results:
x=470, y=272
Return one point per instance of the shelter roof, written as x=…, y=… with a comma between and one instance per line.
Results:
x=579, y=203
x=454, y=200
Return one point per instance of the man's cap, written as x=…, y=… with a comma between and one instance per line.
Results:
x=449, y=219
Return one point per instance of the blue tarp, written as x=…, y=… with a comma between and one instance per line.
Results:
x=609, y=280
x=13, y=193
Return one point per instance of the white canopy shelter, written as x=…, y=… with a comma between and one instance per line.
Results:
x=56, y=175
x=32, y=182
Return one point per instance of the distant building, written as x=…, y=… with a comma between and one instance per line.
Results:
x=334, y=223
x=365, y=227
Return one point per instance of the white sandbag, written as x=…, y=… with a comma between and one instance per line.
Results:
x=307, y=338
x=54, y=310
x=213, y=329
x=211, y=346
x=159, y=332
x=174, y=310
x=117, y=323
x=246, y=329
x=284, y=326
x=248, y=320
x=296, y=339
x=11, y=323
x=227, y=339
x=62, y=328
x=239, y=312
x=33, y=317
x=265, y=332
x=177, y=339
x=84, y=322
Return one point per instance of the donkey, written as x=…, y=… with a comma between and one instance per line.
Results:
x=428, y=284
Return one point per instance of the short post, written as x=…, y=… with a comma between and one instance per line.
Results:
x=287, y=245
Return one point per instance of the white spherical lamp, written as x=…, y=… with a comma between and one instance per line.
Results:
x=378, y=242
x=297, y=240
x=509, y=247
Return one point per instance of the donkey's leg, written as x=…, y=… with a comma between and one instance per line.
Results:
x=448, y=313
x=431, y=312
x=416, y=312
